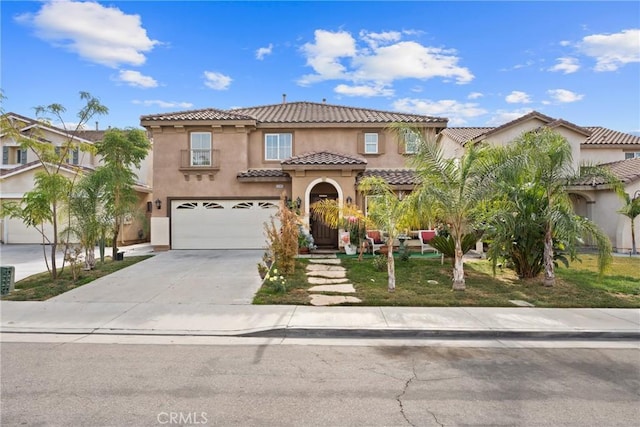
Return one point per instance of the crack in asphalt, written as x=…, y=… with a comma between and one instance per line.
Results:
x=404, y=390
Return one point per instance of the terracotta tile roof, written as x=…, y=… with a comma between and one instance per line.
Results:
x=263, y=173
x=203, y=114
x=625, y=170
x=604, y=136
x=392, y=176
x=464, y=134
x=324, y=158
x=312, y=112
x=90, y=135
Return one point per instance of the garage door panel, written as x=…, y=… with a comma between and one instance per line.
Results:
x=220, y=224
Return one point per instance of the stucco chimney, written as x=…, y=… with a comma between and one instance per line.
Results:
x=284, y=98
x=97, y=125
x=324, y=100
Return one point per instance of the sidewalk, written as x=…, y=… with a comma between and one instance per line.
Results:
x=318, y=322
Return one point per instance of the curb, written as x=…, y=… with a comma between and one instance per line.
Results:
x=333, y=333
x=443, y=334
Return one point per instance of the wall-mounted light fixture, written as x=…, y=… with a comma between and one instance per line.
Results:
x=158, y=203
x=349, y=200
x=298, y=202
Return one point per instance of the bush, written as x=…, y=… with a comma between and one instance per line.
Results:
x=380, y=262
x=283, y=240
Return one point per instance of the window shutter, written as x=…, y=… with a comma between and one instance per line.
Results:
x=402, y=145
x=360, y=142
x=23, y=157
x=5, y=155
x=381, y=143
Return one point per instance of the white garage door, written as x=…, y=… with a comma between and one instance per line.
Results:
x=220, y=224
x=14, y=231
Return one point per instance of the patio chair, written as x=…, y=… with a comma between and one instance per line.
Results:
x=375, y=240
x=425, y=237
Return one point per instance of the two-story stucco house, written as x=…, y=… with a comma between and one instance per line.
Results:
x=618, y=151
x=218, y=174
x=19, y=166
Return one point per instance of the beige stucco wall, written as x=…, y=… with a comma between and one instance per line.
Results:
x=592, y=155
x=602, y=207
x=509, y=134
x=450, y=149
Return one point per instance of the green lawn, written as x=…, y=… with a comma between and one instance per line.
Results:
x=40, y=287
x=577, y=286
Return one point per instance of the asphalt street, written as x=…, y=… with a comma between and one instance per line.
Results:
x=267, y=385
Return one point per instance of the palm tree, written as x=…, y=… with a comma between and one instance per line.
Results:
x=454, y=189
x=386, y=211
x=631, y=210
x=531, y=211
x=348, y=216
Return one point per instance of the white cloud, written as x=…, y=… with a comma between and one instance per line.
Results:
x=162, y=104
x=518, y=97
x=528, y=63
x=136, y=79
x=99, y=34
x=567, y=65
x=324, y=55
x=264, y=51
x=363, y=90
x=564, y=96
x=381, y=59
x=475, y=95
x=456, y=112
x=612, y=51
x=216, y=81
x=501, y=117
x=565, y=43
x=376, y=39
x=410, y=60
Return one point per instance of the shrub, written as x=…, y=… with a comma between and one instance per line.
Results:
x=283, y=240
x=380, y=262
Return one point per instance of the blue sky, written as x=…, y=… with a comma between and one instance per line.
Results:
x=476, y=63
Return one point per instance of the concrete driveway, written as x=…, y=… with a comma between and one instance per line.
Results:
x=172, y=277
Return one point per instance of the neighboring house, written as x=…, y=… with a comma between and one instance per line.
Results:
x=620, y=152
x=19, y=166
x=218, y=174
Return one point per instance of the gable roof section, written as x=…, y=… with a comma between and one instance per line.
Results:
x=548, y=122
x=84, y=135
x=6, y=173
x=205, y=114
x=464, y=134
x=602, y=136
x=317, y=158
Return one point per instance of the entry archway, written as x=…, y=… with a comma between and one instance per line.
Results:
x=324, y=236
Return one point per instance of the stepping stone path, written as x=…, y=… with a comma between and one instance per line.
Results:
x=329, y=277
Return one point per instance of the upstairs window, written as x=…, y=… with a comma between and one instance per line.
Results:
x=632, y=155
x=370, y=143
x=200, y=149
x=410, y=142
x=277, y=146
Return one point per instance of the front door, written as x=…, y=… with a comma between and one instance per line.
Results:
x=325, y=237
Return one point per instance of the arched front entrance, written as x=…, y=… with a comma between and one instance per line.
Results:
x=325, y=237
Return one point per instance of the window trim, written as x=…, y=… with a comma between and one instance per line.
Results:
x=280, y=155
x=367, y=143
x=202, y=154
